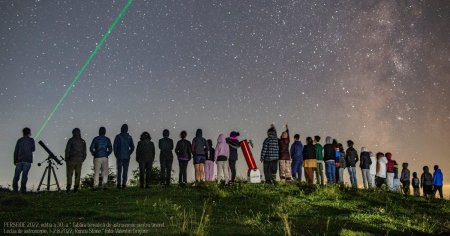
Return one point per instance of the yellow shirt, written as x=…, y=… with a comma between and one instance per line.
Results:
x=310, y=163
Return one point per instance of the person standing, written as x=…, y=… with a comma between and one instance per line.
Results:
x=438, y=181
x=234, y=144
x=396, y=187
x=23, y=157
x=351, y=157
x=285, y=158
x=222, y=153
x=123, y=147
x=145, y=156
x=335, y=144
x=297, y=158
x=309, y=160
x=183, y=150
x=373, y=169
x=404, y=178
x=416, y=184
x=75, y=156
x=380, y=177
x=390, y=172
x=426, y=182
x=330, y=161
x=320, y=162
x=209, y=163
x=269, y=155
x=165, y=158
x=365, y=167
x=100, y=149
x=342, y=163
x=199, y=150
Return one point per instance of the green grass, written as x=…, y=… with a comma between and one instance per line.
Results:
x=241, y=209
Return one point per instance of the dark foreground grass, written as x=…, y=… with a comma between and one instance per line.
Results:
x=241, y=209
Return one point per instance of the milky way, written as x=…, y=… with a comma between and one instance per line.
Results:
x=377, y=72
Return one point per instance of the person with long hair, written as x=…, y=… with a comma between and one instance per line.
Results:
x=285, y=159
x=183, y=150
x=145, y=155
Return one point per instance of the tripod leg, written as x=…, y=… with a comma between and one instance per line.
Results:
x=56, y=179
x=48, y=176
x=42, y=179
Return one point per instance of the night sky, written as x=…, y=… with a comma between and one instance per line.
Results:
x=376, y=72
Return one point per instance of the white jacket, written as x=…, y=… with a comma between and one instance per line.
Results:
x=373, y=166
x=382, y=162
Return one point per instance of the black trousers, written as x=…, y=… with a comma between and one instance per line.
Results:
x=233, y=170
x=145, y=171
x=438, y=188
x=270, y=170
x=379, y=181
x=182, y=177
x=406, y=185
x=166, y=170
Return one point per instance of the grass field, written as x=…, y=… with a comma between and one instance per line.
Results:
x=209, y=209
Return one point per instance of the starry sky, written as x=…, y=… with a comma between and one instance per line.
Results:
x=376, y=72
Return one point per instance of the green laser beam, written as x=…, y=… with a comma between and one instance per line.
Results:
x=80, y=72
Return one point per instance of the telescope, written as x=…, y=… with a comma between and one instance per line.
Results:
x=51, y=156
x=49, y=170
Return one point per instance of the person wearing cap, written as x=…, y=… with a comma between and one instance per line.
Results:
x=269, y=155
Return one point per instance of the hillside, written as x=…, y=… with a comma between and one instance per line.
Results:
x=241, y=209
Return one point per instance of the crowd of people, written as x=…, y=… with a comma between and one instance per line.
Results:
x=312, y=158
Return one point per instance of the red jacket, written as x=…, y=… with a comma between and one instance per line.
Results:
x=390, y=164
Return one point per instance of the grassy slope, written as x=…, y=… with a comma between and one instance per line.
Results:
x=236, y=210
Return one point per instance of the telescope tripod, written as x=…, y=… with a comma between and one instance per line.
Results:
x=48, y=170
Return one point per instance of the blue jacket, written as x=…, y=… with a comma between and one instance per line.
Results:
x=101, y=146
x=24, y=150
x=438, y=178
x=297, y=151
x=123, y=144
